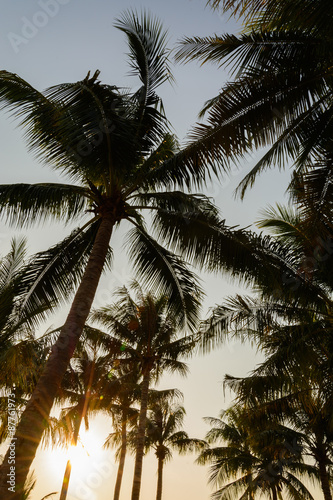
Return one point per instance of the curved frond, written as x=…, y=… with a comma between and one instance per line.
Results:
x=148, y=53
x=166, y=274
x=51, y=276
x=25, y=204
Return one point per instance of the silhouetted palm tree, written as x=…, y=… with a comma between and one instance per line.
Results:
x=164, y=433
x=125, y=382
x=118, y=149
x=256, y=458
x=149, y=333
x=281, y=95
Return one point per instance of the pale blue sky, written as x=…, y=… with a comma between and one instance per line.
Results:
x=50, y=42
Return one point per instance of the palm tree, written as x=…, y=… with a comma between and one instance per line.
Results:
x=125, y=416
x=82, y=387
x=89, y=387
x=292, y=325
x=149, y=332
x=281, y=96
x=163, y=434
x=294, y=385
x=116, y=146
x=255, y=457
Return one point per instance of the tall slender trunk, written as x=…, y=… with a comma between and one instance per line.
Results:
x=159, y=478
x=121, y=458
x=324, y=480
x=274, y=493
x=32, y=424
x=140, y=440
x=65, y=481
x=68, y=470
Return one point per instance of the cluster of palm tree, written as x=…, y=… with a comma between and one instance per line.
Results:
x=285, y=405
x=117, y=148
x=113, y=371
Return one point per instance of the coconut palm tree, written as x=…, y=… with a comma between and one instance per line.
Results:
x=305, y=409
x=83, y=387
x=281, y=96
x=255, y=457
x=293, y=330
x=294, y=386
x=164, y=433
x=117, y=148
x=149, y=332
x=125, y=417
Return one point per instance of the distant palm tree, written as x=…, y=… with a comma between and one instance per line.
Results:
x=256, y=458
x=293, y=385
x=164, y=433
x=81, y=388
x=149, y=333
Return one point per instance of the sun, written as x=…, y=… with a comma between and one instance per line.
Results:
x=79, y=458
x=87, y=450
x=88, y=460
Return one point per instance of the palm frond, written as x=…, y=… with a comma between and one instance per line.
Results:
x=167, y=275
x=148, y=53
x=52, y=275
x=25, y=204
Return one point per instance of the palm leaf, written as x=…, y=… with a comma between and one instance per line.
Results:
x=25, y=204
x=51, y=276
x=167, y=275
x=148, y=53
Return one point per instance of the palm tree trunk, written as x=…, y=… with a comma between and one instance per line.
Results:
x=274, y=494
x=140, y=440
x=65, y=482
x=32, y=424
x=324, y=480
x=121, y=458
x=159, y=478
x=68, y=470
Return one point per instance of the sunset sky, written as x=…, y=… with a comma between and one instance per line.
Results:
x=54, y=41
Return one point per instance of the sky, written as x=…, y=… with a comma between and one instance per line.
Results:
x=54, y=41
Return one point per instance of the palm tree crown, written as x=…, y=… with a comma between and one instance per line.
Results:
x=256, y=458
x=281, y=96
x=149, y=333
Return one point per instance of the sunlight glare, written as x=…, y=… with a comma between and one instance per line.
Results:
x=87, y=453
